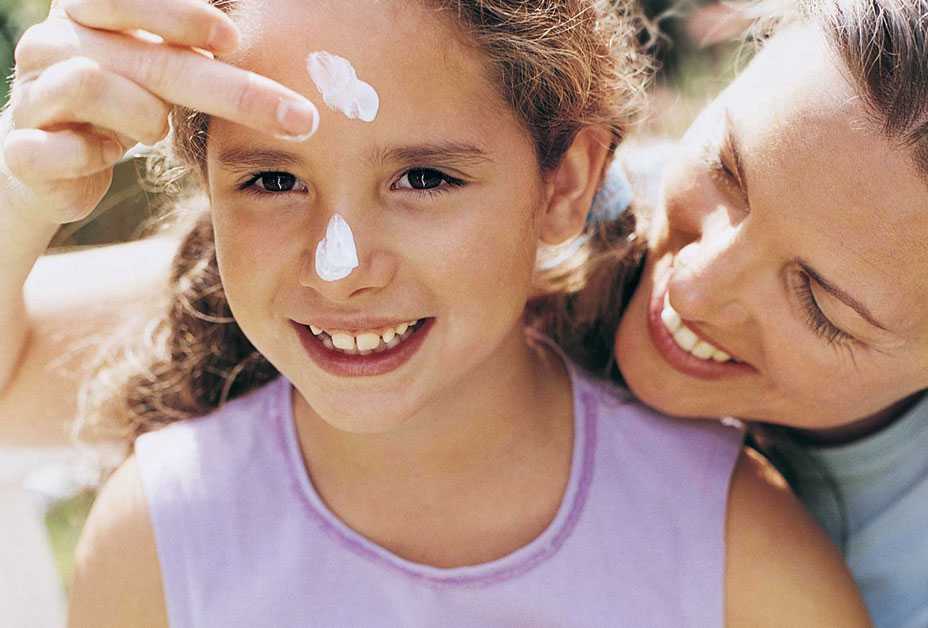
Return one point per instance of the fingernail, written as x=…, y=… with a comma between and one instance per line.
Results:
x=298, y=119
x=112, y=152
x=223, y=38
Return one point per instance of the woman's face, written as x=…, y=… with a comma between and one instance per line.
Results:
x=440, y=191
x=792, y=236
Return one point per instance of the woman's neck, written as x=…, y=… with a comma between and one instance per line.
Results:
x=858, y=430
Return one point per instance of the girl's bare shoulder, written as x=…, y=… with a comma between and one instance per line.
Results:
x=117, y=579
x=781, y=568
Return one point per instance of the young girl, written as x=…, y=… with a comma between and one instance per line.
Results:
x=397, y=451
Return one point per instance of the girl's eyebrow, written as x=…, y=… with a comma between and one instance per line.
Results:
x=841, y=295
x=242, y=158
x=443, y=152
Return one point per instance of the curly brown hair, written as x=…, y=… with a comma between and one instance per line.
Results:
x=562, y=65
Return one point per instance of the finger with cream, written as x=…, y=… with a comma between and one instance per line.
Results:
x=336, y=254
x=341, y=89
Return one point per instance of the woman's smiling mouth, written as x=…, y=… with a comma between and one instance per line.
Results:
x=684, y=348
x=687, y=339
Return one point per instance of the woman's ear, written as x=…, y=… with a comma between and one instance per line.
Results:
x=572, y=185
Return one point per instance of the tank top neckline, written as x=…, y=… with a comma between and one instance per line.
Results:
x=513, y=564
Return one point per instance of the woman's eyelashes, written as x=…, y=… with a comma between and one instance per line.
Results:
x=724, y=173
x=421, y=181
x=815, y=317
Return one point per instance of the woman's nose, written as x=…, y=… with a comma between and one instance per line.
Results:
x=712, y=276
x=375, y=270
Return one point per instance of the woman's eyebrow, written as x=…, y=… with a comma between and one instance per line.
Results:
x=841, y=295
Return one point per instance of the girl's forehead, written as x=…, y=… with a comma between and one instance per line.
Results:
x=383, y=33
x=414, y=55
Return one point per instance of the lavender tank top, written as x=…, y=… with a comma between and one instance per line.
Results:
x=243, y=539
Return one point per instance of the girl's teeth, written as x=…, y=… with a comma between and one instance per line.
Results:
x=686, y=339
x=364, y=343
x=343, y=341
x=368, y=342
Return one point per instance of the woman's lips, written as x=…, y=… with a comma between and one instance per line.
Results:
x=680, y=359
x=343, y=364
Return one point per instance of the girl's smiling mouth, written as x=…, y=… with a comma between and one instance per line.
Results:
x=365, y=342
x=363, y=353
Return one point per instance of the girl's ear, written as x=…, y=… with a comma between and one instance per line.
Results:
x=572, y=185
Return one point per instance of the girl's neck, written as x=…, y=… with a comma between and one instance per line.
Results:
x=516, y=401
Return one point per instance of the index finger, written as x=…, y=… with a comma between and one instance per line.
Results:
x=194, y=23
x=187, y=78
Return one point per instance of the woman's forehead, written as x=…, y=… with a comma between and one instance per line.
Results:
x=824, y=179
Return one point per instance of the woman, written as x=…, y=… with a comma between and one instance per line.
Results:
x=783, y=286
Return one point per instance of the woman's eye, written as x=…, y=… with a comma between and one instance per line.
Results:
x=427, y=181
x=816, y=318
x=727, y=178
x=271, y=183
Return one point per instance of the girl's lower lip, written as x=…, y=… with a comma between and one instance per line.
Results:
x=679, y=359
x=344, y=365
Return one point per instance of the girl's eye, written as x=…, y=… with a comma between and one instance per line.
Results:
x=272, y=183
x=817, y=320
x=427, y=181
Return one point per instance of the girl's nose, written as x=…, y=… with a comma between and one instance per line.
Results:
x=376, y=266
x=711, y=277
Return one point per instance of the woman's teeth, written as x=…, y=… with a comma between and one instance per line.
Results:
x=365, y=342
x=684, y=337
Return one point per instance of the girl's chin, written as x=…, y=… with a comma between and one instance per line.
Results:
x=365, y=414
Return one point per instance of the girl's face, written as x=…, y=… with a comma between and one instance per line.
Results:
x=792, y=236
x=440, y=191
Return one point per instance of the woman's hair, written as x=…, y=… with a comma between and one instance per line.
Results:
x=883, y=45
x=562, y=65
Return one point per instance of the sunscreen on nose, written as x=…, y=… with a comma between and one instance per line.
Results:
x=341, y=89
x=336, y=254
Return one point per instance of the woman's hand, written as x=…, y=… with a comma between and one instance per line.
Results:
x=88, y=86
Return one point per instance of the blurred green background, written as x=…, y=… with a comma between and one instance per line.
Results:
x=690, y=76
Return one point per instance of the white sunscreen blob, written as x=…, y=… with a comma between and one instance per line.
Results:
x=341, y=89
x=336, y=254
